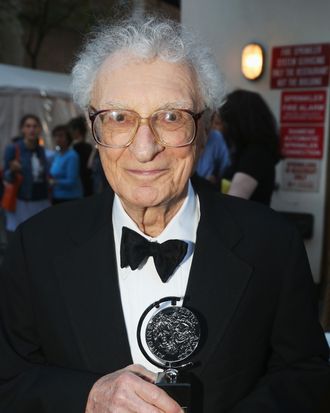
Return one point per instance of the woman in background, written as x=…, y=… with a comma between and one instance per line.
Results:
x=65, y=169
x=26, y=157
x=249, y=128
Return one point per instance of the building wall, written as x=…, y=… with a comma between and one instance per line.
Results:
x=226, y=26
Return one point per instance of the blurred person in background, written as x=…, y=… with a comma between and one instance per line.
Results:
x=250, y=130
x=26, y=157
x=78, y=129
x=215, y=158
x=64, y=171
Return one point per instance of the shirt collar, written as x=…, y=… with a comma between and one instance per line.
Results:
x=182, y=226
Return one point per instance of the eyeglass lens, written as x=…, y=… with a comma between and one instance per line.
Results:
x=117, y=127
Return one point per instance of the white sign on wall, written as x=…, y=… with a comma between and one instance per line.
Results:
x=301, y=175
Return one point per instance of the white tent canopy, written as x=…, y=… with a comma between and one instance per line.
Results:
x=35, y=80
x=45, y=94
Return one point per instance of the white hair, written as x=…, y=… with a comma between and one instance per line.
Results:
x=147, y=38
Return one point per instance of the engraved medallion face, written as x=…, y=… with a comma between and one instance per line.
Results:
x=173, y=334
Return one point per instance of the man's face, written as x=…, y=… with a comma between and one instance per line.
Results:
x=147, y=174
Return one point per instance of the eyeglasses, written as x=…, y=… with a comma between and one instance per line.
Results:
x=116, y=128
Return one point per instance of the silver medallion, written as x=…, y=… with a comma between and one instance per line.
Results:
x=173, y=334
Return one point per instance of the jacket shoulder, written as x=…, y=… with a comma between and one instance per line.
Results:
x=254, y=220
x=80, y=217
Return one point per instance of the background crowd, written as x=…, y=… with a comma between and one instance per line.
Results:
x=68, y=171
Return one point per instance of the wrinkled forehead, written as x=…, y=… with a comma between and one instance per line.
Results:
x=122, y=58
x=122, y=66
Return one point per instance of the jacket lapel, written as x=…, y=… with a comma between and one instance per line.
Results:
x=89, y=284
x=218, y=277
x=88, y=280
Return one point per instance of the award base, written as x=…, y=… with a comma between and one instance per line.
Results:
x=177, y=390
x=180, y=392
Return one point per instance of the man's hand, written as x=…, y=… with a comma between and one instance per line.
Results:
x=129, y=390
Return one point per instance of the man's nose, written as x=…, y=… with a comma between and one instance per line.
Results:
x=145, y=146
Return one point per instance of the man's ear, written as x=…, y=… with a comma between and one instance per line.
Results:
x=89, y=134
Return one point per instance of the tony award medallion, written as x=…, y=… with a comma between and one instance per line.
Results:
x=167, y=340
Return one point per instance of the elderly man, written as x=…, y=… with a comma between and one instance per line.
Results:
x=78, y=277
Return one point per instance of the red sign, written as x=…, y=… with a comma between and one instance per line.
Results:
x=302, y=142
x=300, y=66
x=303, y=106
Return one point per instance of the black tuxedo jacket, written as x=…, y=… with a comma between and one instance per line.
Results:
x=62, y=324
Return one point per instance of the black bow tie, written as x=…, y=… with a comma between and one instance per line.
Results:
x=167, y=256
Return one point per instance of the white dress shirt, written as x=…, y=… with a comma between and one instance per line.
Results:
x=142, y=287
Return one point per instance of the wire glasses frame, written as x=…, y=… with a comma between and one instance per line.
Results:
x=94, y=116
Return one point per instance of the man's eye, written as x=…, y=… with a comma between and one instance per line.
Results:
x=171, y=116
x=118, y=117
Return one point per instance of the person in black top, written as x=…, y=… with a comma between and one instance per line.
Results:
x=78, y=130
x=250, y=130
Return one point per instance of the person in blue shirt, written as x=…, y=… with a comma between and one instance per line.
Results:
x=215, y=158
x=65, y=169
